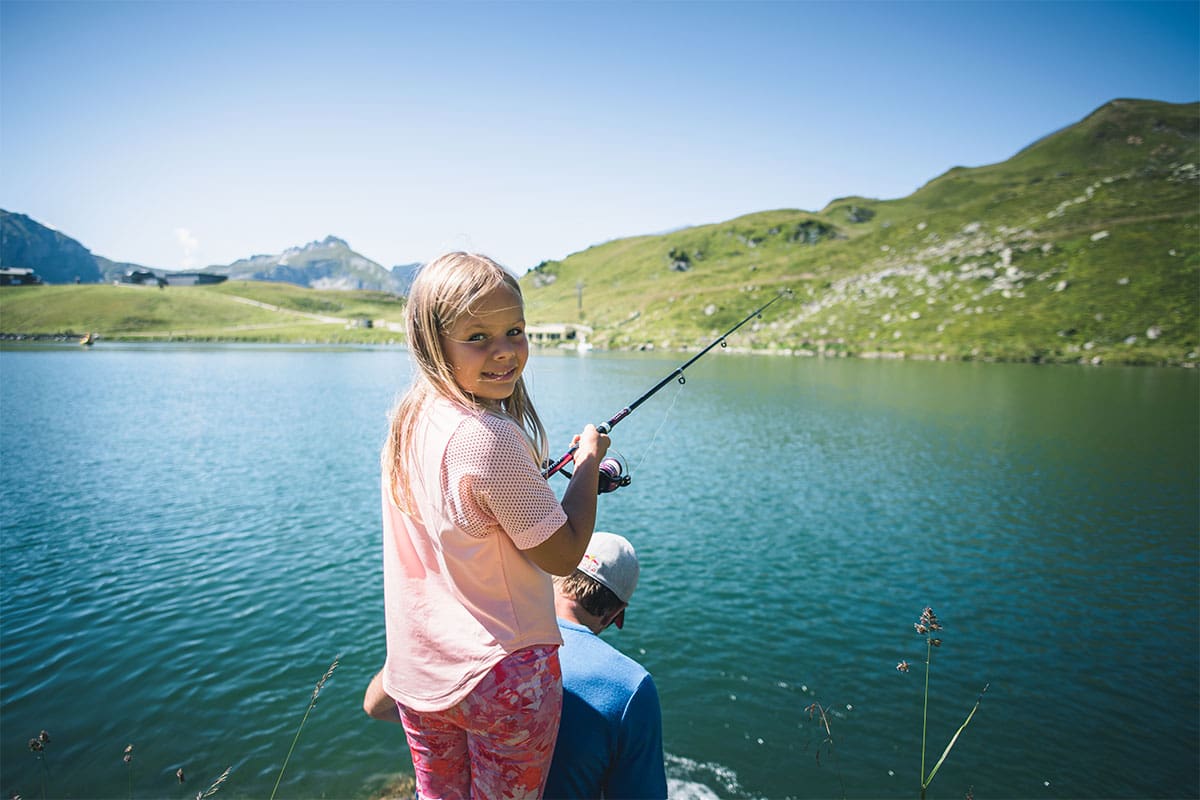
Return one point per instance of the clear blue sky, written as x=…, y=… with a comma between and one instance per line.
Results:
x=183, y=134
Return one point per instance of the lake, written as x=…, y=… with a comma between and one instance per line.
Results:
x=191, y=535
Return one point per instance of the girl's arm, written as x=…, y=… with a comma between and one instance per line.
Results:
x=560, y=554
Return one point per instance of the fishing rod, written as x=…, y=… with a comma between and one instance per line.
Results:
x=611, y=471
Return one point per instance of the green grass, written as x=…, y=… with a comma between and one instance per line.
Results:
x=200, y=313
x=339, y=303
x=1083, y=247
x=861, y=268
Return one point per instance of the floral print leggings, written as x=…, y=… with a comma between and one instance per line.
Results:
x=496, y=743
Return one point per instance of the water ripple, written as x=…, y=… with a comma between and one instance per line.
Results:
x=182, y=577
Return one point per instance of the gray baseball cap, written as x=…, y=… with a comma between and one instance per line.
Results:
x=611, y=560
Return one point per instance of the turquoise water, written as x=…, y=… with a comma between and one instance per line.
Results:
x=191, y=535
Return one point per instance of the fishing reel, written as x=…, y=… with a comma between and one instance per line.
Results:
x=613, y=474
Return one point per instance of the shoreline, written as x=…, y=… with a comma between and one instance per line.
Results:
x=70, y=337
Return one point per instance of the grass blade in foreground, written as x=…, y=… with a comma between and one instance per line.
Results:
x=212, y=789
x=312, y=702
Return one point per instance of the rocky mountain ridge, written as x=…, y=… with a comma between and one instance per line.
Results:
x=329, y=263
x=54, y=256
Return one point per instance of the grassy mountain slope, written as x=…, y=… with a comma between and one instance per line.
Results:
x=1081, y=247
x=231, y=311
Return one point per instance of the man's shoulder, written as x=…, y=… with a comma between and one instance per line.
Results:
x=585, y=654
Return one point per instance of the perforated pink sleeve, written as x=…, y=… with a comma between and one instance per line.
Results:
x=492, y=483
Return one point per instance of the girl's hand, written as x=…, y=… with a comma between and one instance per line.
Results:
x=560, y=554
x=591, y=444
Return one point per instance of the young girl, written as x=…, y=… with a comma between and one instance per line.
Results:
x=471, y=535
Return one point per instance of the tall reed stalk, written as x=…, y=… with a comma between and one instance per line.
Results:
x=312, y=702
x=927, y=626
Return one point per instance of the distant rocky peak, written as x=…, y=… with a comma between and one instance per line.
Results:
x=323, y=244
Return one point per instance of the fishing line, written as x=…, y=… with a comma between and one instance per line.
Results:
x=661, y=424
x=612, y=471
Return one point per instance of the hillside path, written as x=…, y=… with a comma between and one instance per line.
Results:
x=280, y=310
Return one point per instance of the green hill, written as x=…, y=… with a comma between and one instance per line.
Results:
x=230, y=311
x=1081, y=247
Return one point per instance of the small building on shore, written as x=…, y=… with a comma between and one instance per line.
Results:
x=193, y=278
x=558, y=334
x=146, y=276
x=19, y=276
x=142, y=277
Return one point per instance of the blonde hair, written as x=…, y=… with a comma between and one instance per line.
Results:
x=444, y=290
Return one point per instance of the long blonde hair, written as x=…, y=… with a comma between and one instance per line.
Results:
x=444, y=290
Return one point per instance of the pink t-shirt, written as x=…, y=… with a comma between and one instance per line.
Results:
x=458, y=592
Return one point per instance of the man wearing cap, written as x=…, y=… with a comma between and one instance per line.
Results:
x=610, y=736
